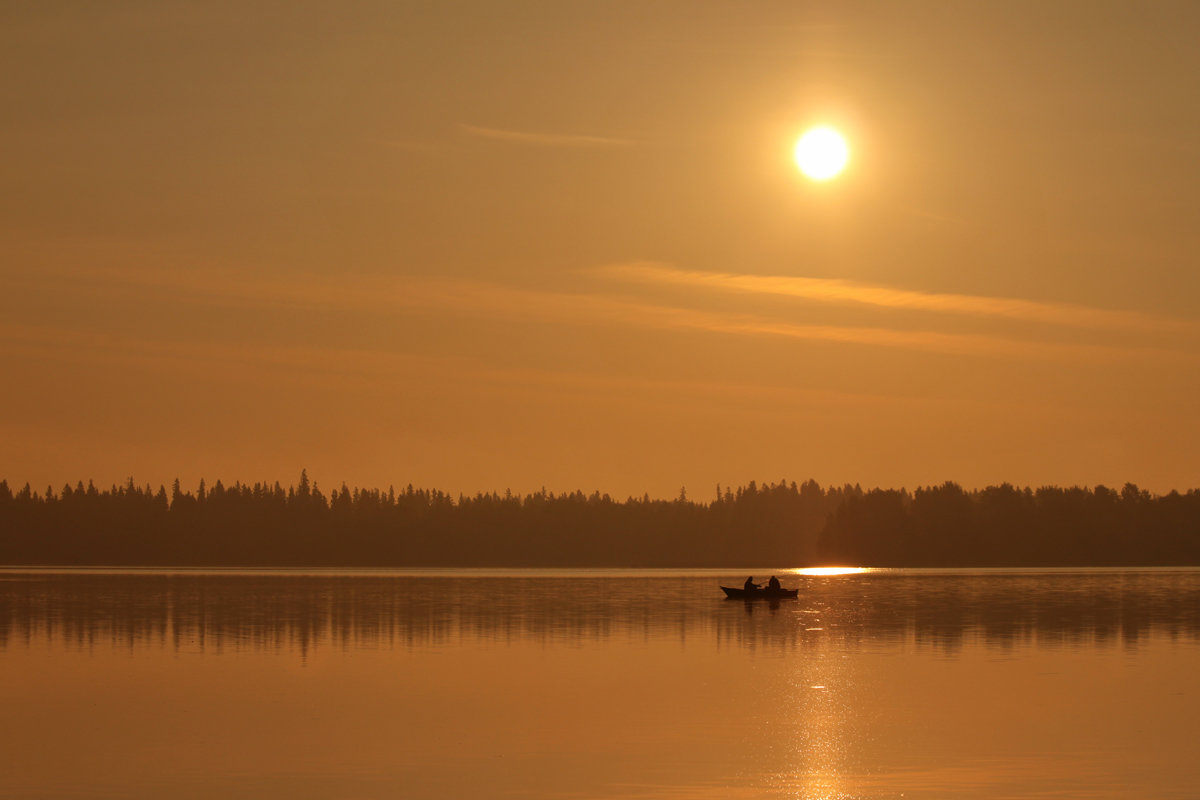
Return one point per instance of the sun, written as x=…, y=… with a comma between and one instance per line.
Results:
x=821, y=153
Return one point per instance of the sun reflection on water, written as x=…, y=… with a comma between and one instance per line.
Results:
x=817, y=742
x=824, y=571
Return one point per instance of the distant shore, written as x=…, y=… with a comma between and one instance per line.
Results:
x=265, y=526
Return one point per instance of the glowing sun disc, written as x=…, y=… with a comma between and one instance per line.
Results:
x=821, y=153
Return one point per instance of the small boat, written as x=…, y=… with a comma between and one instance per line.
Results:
x=760, y=594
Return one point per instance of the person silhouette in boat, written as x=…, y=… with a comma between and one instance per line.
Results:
x=750, y=585
x=773, y=584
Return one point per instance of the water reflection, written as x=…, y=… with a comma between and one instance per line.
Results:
x=829, y=571
x=288, y=611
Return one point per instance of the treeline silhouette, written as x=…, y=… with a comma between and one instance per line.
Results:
x=775, y=523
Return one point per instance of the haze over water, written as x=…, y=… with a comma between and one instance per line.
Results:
x=586, y=684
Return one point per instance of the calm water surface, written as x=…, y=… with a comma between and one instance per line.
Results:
x=885, y=684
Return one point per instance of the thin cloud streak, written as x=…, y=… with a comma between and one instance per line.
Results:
x=544, y=139
x=481, y=299
x=375, y=367
x=848, y=292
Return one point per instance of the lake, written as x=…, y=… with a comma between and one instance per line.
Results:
x=599, y=684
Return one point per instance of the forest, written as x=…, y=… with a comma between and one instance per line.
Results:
x=772, y=524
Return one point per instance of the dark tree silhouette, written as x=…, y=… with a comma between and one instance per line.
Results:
x=782, y=523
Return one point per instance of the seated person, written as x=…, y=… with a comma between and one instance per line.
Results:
x=773, y=583
x=750, y=585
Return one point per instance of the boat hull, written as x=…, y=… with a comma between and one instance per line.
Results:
x=760, y=594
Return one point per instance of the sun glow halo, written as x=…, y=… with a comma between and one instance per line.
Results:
x=821, y=153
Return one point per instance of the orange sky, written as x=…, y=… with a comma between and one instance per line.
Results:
x=485, y=245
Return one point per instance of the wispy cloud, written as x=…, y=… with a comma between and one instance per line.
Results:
x=381, y=294
x=850, y=292
x=374, y=367
x=539, y=139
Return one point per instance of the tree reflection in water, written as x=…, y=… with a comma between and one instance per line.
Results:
x=296, y=612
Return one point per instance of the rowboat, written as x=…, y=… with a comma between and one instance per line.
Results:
x=760, y=594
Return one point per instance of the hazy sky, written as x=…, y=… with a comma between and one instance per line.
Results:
x=477, y=245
